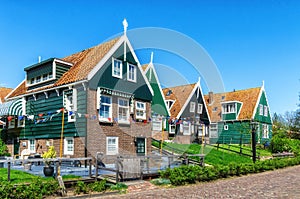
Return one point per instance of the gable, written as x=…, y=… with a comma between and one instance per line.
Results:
x=158, y=104
x=104, y=78
x=264, y=114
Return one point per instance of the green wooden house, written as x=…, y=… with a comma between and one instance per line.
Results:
x=232, y=114
x=160, y=111
x=96, y=100
x=189, y=119
x=11, y=120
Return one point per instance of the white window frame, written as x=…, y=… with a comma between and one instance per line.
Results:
x=68, y=147
x=12, y=123
x=213, y=130
x=113, y=68
x=130, y=73
x=140, y=110
x=200, y=108
x=69, y=105
x=228, y=108
x=170, y=103
x=21, y=123
x=172, y=128
x=157, y=124
x=112, y=148
x=192, y=107
x=186, y=128
x=261, y=109
x=265, y=131
x=265, y=111
x=31, y=145
x=104, y=119
x=126, y=107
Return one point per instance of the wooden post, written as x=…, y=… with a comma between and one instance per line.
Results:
x=61, y=138
x=96, y=174
x=117, y=169
x=90, y=168
x=8, y=170
x=57, y=169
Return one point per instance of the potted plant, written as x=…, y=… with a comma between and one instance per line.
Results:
x=48, y=168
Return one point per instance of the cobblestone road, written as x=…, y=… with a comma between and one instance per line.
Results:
x=283, y=183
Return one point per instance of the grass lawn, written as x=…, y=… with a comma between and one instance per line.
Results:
x=246, y=149
x=212, y=155
x=17, y=176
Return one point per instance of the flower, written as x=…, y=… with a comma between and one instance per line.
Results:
x=51, y=153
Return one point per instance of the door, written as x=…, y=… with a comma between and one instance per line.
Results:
x=140, y=146
x=16, y=146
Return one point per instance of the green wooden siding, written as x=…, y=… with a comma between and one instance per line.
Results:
x=60, y=70
x=50, y=128
x=228, y=116
x=158, y=104
x=237, y=132
x=103, y=78
x=262, y=118
x=81, y=123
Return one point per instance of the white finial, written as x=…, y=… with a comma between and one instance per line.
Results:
x=125, y=25
x=151, y=58
x=40, y=59
x=263, y=83
x=199, y=78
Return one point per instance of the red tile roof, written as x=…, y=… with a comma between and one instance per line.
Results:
x=248, y=97
x=83, y=63
x=180, y=95
x=4, y=92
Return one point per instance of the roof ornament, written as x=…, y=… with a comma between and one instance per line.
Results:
x=263, y=84
x=125, y=25
x=151, y=58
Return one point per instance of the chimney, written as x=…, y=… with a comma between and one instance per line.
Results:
x=210, y=97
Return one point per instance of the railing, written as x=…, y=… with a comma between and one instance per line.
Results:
x=57, y=162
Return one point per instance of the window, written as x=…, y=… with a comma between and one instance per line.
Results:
x=50, y=75
x=69, y=105
x=266, y=111
x=32, y=81
x=170, y=103
x=172, y=128
x=213, y=130
x=112, y=145
x=265, y=131
x=45, y=77
x=69, y=146
x=32, y=146
x=157, y=124
x=140, y=110
x=261, y=109
x=117, y=68
x=192, y=107
x=199, y=109
x=21, y=122
x=105, y=112
x=229, y=108
x=38, y=79
x=123, y=111
x=131, y=72
x=186, y=128
x=11, y=122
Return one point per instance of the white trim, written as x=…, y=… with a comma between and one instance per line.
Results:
x=46, y=94
x=116, y=151
x=135, y=68
x=63, y=62
x=104, y=119
x=144, y=117
x=113, y=67
x=29, y=145
x=7, y=96
x=237, y=114
x=53, y=69
x=126, y=121
x=66, y=152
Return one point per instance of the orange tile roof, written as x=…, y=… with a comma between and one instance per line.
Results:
x=83, y=63
x=248, y=97
x=144, y=67
x=4, y=92
x=180, y=95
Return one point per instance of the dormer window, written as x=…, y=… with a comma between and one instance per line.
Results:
x=131, y=72
x=117, y=66
x=229, y=108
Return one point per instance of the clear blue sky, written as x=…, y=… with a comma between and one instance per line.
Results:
x=249, y=41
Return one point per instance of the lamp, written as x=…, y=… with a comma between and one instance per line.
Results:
x=254, y=126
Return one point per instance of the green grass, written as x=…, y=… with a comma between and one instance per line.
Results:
x=212, y=155
x=17, y=176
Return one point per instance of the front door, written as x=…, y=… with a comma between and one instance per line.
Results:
x=140, y=146
x=16, y=146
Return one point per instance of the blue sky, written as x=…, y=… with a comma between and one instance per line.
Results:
x=249, y=41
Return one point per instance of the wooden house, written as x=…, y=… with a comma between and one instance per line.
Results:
x=160, y=111
x=96, y=100
x=232, y=114
x=189, y=118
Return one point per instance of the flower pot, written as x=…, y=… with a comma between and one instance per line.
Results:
x=48, y=171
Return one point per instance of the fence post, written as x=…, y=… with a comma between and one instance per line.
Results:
x=169, y=162
x=57, y=168
x=96, y=174
x=8, y=171
x=90, y=168
x=117, y=168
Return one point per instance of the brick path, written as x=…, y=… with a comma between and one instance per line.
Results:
x=283, y=183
